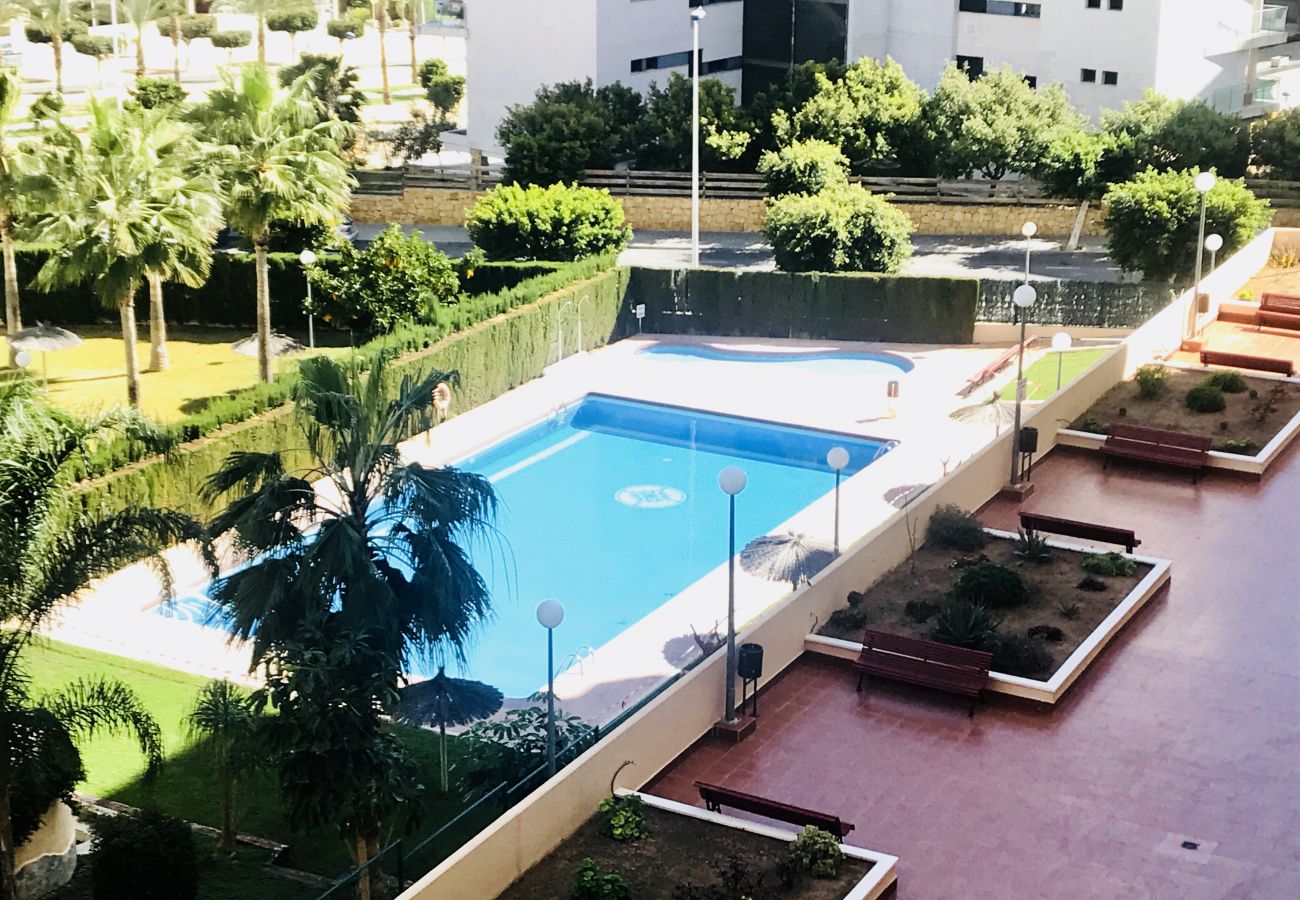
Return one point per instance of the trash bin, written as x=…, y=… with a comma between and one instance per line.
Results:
x=749, y=665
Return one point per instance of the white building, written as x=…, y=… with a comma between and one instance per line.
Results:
x=1232, y=53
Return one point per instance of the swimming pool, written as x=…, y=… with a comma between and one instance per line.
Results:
x=835, y=363
x=612, y=507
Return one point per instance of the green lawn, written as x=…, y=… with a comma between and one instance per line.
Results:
x=1041, y=375
x=184, y=788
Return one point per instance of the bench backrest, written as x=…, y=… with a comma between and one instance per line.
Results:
x=1288, y=303
x=1243, y=361
x=1159, y=437
x=927, y=651
x=1087, y=530
x=773, y=809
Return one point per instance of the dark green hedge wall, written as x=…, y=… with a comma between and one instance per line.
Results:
x=1077, y=303
x=784, y=305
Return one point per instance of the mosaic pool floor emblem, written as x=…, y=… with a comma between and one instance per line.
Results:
x=649, y=496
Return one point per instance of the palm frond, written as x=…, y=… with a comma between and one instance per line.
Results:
x=93, y=706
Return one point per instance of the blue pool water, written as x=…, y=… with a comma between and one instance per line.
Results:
x=835, y=363
x=612, y=507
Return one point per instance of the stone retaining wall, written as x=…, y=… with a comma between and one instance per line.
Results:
x=429, y=206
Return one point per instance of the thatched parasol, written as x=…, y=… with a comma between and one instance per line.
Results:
x=280, y=344
x=44, y=338
x=444, y=701
x=791, y=557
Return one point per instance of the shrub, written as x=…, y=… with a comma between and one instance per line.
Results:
x=292, y=21
x=231, y=40
x=95, y=45
x=840, y=230
x=1109, y=564
x=1016, y=655
x=1092, y=426
x=848, y=619
x=855, y=598
x=1244, y=446
x=148, y=856
x=623, y=817
x=1267, y=406
x=952, y=528
x=1229, y=382
x=556, y=223
x=920, y=611
x=1151, y=380
x=991, y=586
x=345, y=29
x=589, y=883
x=804, y=167
x=1276, y=142
x=736, y=880
x=1032, y=547
x=333, y=84
x=157, y=93
x=1205, y=398
x=1069, y=609
x=817, y=852
x=963, y=624
x=200, y=25
x=38, y=35
x=1047, y=633
x=443, y=89
x=1091, y=583
x=965, y=562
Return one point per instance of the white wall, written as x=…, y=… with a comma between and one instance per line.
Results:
x=1195, y=38
x=635, y=29
x=919, y=34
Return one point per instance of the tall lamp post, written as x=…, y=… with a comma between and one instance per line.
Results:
x=1205, y=182
x=697, y=15
x=308, y=259
x=1029, y=229
x=1023, y=298
x=837, y=458
x=550, y=613
x=1061, y=341
x=732, y=480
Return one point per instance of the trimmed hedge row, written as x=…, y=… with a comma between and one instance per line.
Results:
x=1077, y=303
x=856, y=307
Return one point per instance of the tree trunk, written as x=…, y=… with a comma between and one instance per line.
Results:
x=158, y=361
x=175, y=22
x=382, y=18
x=13, y=313
x=263, y=309
x=56, y=44
x=8, y=886
x=139, y=51
x=261, y=42
x=415, y=65
x=226, y=842
x=442, y=752
x=363, y=879
x=126, y=309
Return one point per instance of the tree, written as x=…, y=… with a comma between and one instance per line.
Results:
x=53, y=548
x=840, y=230
x=557, y=222
x=344, y=30
x=1070, y=166
x=804, y=167
x=409, y=10
x=140, y=13
x=230, y=41
x=381, y=19
x=258, y=9
x=801, y=84
x=666, y=126
x=279, y=161
x=868, y=113
x=292, y=22
x=1164, y=134
x=333, y=84
x=97, y=47
x=130, y=205
x=1153, y=221
x=56, y=20
x=173, y=10
x=16, y=167
x=996, y=123
x=441, y=88
x=157, y=93
x=568, y=128
x=1277, y=144
x=222, y=721
x=349, y=584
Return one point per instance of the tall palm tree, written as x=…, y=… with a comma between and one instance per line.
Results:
x=279, y=161
x=15, y=167
x=258, y=9
x=140, y=13
x=56, y=18
x=129, y=203
x=373, y=558
x=222, y=719
x=52, y=550
x=381, y=18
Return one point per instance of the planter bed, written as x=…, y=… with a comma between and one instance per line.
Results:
x=688, y=844
x=1053, y=586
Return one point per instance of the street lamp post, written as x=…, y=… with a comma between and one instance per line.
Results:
x=1029, y=229
x=1214, y=243
x=308, y=259
x=1023, y=298
x=837, y=458
x=1205, y=182
x=1061, y=341
x=732, y=480
x=697, y=15
x=550, y=613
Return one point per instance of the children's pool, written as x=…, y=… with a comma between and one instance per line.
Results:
x=613, y=507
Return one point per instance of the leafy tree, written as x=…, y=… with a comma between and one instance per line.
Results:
x=418, y=136
x=157, y=93
x=801, y=84
x=172, y=12
x=511, y=746
x=292, y=22
x=568, y=128
x=1165, y=134
x=140, y=13
x=442, y=89
x=1070, y=166
x=1152, y=221
x=222, y=723
x=839, y=230
x=398, y=277
x=868, y=113
x=344, y=30
x=996, y=123
x=53, y=548
x=196, y=26
x=1277, y=144
x=278, y=162
x=97, y=47
x=549, y=223
x=54, y=22
x=258, y=9
x=332, y=83
x=347, y=586
x=129, y=205
x=231, y=40
x=804, y=167
x=666, y=126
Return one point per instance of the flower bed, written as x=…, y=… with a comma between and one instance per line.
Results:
x=685, y=846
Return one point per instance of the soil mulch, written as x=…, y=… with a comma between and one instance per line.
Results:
x=1169, y=411
x=675, y=850
x=929, y=575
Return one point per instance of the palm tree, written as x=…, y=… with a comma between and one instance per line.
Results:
x=370, y=559
x=56, y=18
x=140, y=13
x=52, y=550
x=222, y=719
x=14, y=169
x=279, y=161
x=381, y=18
x=258, y=9
x=128, y=204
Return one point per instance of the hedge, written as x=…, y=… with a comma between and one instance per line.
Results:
x=855, y=307
x=1077, y=303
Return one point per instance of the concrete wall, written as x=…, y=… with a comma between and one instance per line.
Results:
x=48, y=859
x=426, y=206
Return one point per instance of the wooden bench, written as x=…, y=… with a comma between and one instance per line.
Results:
x=956, y=670
x=1089, y=531
x=1171, y=448
x=1279, y=310
x=1244, y=361
x=715, y=797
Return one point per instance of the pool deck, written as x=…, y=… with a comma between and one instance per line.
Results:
x=117, y=615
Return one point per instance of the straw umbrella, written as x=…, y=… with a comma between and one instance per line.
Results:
x=993, y=411
x=44, y=338
x=444, y=701
x=792, y=557
x=279, y=345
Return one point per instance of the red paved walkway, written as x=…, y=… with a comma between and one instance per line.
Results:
x=1188, y=727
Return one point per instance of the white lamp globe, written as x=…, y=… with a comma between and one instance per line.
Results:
x=550, y=613
x=22, y=359
x=837, y=458
x=307, y=258
x=1029, y=229
x=1062, y=341
x=1024, y=296
x=697, y=14
x=1214, y=243
x=1205, y=182
x=732, y=480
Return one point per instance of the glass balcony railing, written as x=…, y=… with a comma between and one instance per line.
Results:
x=1271, y=19
x=1233, y=99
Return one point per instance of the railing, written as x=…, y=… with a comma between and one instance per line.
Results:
x=1276, y=192
x=1271, y=19
x=1233, y=99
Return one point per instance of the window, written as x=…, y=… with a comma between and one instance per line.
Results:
x=726, y=64
x=1088, y=76
x=1116, y=4
x=694, y=3
x=973, y=66
x=1110, y=78
x=1002, y=8
x=1094, y=4
x=663, y=61
x=1031, y=80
